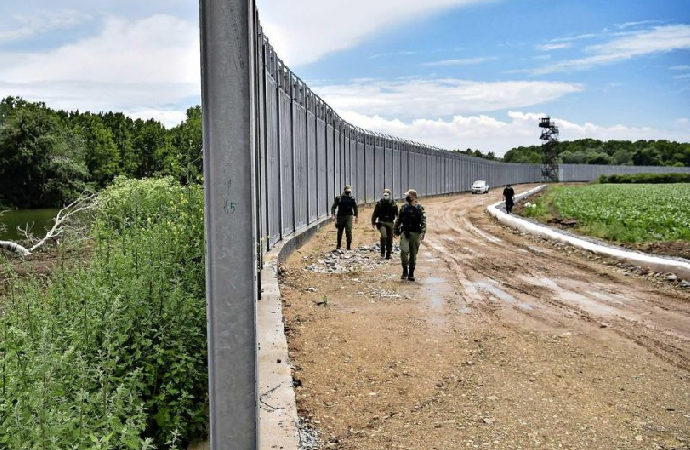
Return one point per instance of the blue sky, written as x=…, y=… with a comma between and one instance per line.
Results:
x=454, y=73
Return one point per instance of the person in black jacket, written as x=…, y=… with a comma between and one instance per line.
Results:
x=346, y=207
x=386, y=210
x=508, y=194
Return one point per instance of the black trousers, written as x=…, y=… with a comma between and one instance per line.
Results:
x=344, y=223
x=509, y=206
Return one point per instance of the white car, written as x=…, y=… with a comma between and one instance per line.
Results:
x=480, y=187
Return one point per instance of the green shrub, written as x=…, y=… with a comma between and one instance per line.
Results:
x=111, y=353
x=645, y=178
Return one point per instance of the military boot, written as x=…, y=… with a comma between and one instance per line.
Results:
x=410, y=276
x=388, y=255
x=404, y=274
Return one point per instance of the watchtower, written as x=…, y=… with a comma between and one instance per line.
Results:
x=549, y=149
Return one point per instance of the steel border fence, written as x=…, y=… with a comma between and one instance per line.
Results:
x=306, y=153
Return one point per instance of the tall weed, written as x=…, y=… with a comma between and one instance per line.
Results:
x=111, y=353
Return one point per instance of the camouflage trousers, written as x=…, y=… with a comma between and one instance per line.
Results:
x=386, y=231
x=409, y=246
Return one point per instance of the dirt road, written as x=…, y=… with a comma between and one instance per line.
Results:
x=504, y=342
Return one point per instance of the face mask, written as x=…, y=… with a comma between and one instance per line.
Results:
x=386, y=196
x=347, y=193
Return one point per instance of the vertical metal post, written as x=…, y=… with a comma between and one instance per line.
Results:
x=227, y=92
x=292, y=149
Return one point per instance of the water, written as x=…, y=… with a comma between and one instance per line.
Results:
x=39, y=221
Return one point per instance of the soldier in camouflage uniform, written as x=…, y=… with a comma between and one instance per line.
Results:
x=346, y=205
x=411, y=227
x=385, y=211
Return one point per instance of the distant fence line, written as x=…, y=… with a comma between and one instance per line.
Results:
x=587, y=172
x=306, y=153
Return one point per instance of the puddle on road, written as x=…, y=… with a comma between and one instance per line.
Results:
x=496, y=292
x=433, y=280
x=436, y=302
x=606, y=297
x=589, y=305
x=590, y=301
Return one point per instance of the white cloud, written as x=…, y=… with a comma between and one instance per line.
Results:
x=398, y=53
x=656, y=40
x=152, y=63
x=579, y=37
x=460, y=62
x=302, y=31
x=684, y=67
x=491, y=134
x=625, y=25
x=42, y=22
x=554, y=46
x=411, y=98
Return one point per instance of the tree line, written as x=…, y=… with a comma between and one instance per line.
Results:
x=48, y=156
x=620, y=152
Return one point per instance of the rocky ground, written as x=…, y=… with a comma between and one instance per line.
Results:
x=505, y=341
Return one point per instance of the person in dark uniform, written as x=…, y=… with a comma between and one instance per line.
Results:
x=346, y=207
x=385, y=211
x=411, y=227
x=508, y=194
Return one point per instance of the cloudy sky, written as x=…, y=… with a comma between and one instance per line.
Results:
x=454, y=73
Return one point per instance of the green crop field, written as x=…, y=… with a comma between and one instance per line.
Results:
x=633, y=213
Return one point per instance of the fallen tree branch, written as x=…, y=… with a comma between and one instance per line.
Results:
x=60, y=225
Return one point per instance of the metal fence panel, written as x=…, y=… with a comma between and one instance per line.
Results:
x=312, y=179
x=347, y=162
x=353, y=159
x=387, y=165
x=379, y=167
x=286, y=162
x=338, y=158
x=272, y=161
x=299, y=121
x=322, y=193
x=330, y=162
x=361, y=175
x=404, y=167
x=370, y=176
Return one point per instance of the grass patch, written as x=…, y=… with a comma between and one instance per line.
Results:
x=110, y=353
x=632, y=213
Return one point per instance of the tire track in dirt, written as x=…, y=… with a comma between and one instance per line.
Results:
x=658, y=319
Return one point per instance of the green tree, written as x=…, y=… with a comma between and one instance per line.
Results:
x=41, y=160
x=102, y=155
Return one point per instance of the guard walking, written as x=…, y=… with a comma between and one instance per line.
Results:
x=508, y=194
x=346, y=207
x=411, y=227
x=385, y=212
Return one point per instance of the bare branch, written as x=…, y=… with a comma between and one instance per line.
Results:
x=61, y=223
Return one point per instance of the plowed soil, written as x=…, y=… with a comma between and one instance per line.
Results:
x=504, y=341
